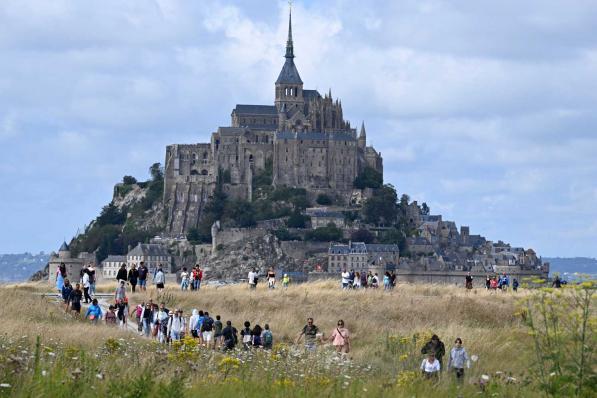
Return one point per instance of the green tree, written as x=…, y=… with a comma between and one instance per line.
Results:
x=381, y=208
x=362, y=235
x=129, y=180
x=323, y=199
x=297, y=220
x=325, y=234
x=368, y=178
x=111, y=215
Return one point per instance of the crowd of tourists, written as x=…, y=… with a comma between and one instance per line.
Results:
x=366, y=280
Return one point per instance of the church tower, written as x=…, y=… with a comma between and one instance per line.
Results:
x=362, y=137
x=289, y=86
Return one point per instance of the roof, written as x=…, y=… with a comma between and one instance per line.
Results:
x=377, y=248
x=231, y=130
x=255, y=109
x=310, y=94
x=148, y=249
x=325, y=213
x=289, y=74
x=63, y=247
x=289, y=135
x=114, y=259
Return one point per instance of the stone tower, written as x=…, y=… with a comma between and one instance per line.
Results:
x=289, y=86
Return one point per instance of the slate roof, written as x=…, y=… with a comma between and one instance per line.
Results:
x=378, y=248
x=324, y=213
x=231, y=130
x=310, y=94
x=63, y=247
x=289, y=74
x=255, y=109
x=289, y=135
x=114, y=259
x=361, y=247
x=149, y=249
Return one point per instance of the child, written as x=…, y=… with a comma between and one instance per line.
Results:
x=285, y=281
x=111, y=316
x=267, y=338
x=246, y=335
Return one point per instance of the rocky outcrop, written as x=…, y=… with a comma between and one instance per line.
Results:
x=41, y=275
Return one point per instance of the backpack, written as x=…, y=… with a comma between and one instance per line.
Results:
x=268, y=338
x=207, y=324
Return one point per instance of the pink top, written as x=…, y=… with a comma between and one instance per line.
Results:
x=340, y=336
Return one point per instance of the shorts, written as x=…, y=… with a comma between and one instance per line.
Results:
x=159, y=285
x=142, y=282
x=76, y=307
x=207, y=336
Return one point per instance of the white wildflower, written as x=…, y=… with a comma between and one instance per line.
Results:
x=4, y=385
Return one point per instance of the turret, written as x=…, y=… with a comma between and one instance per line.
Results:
x=64, y=251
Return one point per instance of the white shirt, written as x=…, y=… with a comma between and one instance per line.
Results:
x=430, y=367
x=85, y=279
x=252, y=276
x=184, y=276
x=345, y=277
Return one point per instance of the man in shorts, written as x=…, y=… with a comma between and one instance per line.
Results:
x=310, y=331
x=207, y=329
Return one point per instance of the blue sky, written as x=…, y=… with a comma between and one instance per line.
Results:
x=485, y=110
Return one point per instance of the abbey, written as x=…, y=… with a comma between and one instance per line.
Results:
x=302, y=139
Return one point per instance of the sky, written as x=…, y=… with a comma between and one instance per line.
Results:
x=485, y=110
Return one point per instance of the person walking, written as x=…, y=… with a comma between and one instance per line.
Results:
x=345, y=275
x=430, y=366
x=176, y=326
x=92, y=279
x=252, y=277
x=94, y=312
x=207, y=327
x=436, y=347
x=310, y=331
x=120, y=292
x=271, y=279
x=159, y=279
x=468, y=281
x=218, y=327
x=199, y=278
x=285, y=281
x=230, y=336
x=194, y=323
x=75, y=300
x=143, y=271
x=340, y=339
x=357, y=280
x=393, y=280
x=147, y=319
x=184, y=279
x=245, y=333
x=133, y=277
x=66, y=291
x=515, y=285
x=458, y=359
x=386, y=281
x=487, y=282
x=122, y=275
x=60, y=276
x=86, y=285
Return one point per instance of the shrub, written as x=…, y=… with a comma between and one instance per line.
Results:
x=129, y=180
x=323, y=199
x=362, y=235
x=368, y=178
x=297, y=220
x=325, y=234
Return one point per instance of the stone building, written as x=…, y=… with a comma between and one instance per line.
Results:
x=111, y=265
x=360, y=256
x=303, y=138
x=152, y=254
x=73, y=265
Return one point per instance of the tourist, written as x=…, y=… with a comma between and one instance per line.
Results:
x=75, y=300
x=487, y=282
x=386, y=281
x=515, y=284
x=94, y=312
x=375, y=281
x=345, y=279
x=256, y=336
x=364, y=280
x=267, y=338
x=252, y=279
x=436, y=347
x=503, y=282
x=369, y=279
x=218, y=332
x=122, y=275
x=340, y=338
x=357, y=280
x=136, y=312
x=271, y=279
x=557, y=282
x=60, y=275
x=493, y=283
x=393, y=280
x=199, y=278
x=184, y=279
x=155, y=321
x=159, y=279
x=229, y=335
x=133, y=277
x=67, y=288
x=285, y=281
x=193, y=324
x=458, y=359
x=351, y=279
x=86, y=285
x=122, y=306
x=430, y=366
x=162, y=318
x=246, y=335
x=92, y=279
x=310, y=331
x=120, y=292
x=111, y=316
x=207, y=327
x=143, y=271
x=176, y=325
x=146, y=319
x=468, y=281
x=194, y=277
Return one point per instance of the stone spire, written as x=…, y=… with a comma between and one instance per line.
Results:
x=289, y=86
x=362, y=136
x=289, y=45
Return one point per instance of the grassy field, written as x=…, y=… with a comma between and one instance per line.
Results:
x=388, y=329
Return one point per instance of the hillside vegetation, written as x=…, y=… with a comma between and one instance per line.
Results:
x=388, y=329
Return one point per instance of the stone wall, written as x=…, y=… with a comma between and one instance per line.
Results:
x=231, y=235
x=302, y=250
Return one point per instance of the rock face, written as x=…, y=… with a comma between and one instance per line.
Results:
x=41, y=275
x=234, y=261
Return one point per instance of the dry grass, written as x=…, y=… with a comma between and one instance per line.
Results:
x=485, y=321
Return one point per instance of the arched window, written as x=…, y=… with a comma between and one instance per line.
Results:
x=204, y=172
